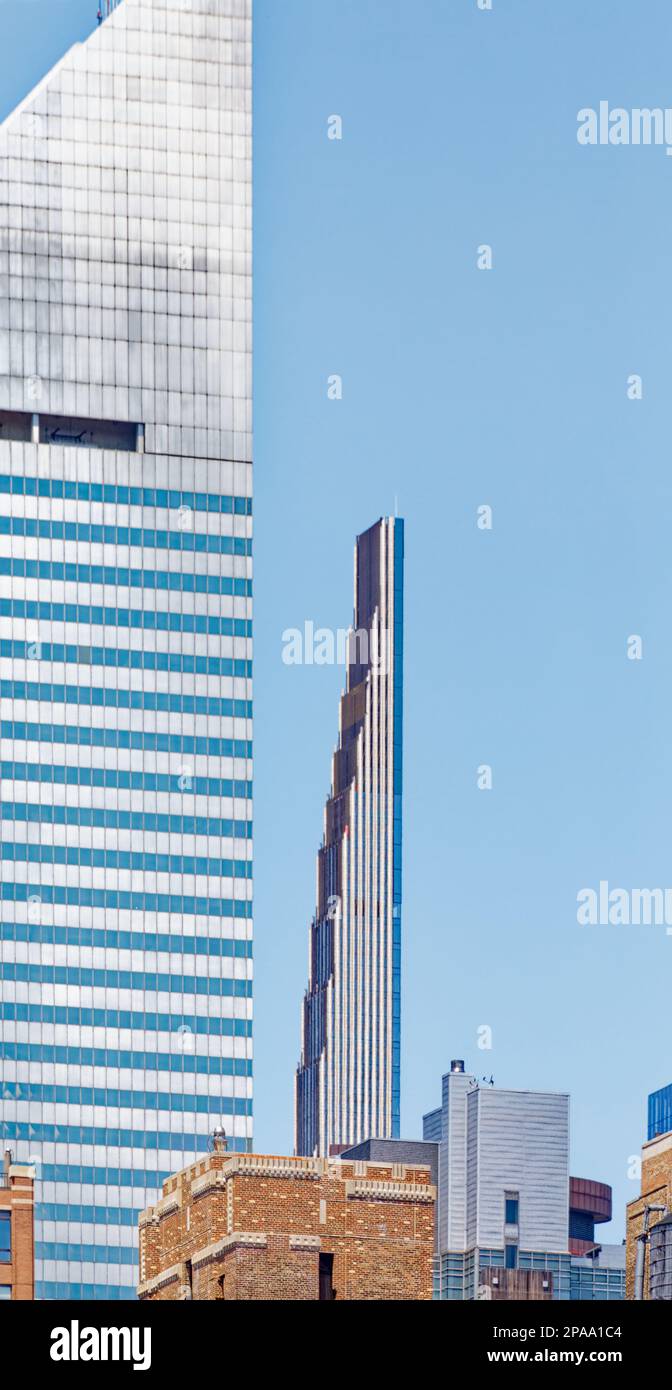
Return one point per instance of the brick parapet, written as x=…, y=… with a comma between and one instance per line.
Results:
x=254, y=1227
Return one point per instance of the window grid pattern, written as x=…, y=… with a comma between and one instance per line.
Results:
x=125, y=626
x=456, y=1274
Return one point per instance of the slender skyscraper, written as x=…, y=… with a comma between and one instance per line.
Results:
x=125, y=573
x=347, y=1085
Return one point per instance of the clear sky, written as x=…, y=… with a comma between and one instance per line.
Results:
x=461, y=388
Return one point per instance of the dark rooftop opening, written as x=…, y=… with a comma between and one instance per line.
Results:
x=72, y=431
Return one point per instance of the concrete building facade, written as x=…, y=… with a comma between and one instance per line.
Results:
x=125, y=623
x=259, y=1228
x=17, y=1237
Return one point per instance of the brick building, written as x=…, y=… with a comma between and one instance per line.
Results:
x=656, y=1193
x=17, y=1249
x=248, y=1227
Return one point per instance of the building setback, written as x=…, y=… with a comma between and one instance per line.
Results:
x=347, y=1082
x=17, y=1235
x=125, y=655
x=258, y=1228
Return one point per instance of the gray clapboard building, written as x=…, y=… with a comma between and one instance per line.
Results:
x=503, y=1183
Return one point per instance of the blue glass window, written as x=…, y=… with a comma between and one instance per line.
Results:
x=5, y=1237
x=127, y=578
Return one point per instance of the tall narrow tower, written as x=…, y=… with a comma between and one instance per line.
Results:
x=125, y=534
x=347, y=1084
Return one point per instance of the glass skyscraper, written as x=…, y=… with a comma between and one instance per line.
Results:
x=125, y=574
x=347, y=1083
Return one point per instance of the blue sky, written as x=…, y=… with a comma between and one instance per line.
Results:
x=463, y=388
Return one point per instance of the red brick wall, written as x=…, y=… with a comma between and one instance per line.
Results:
x=382, y=1246
x=18, y=1198
x=275, y=1273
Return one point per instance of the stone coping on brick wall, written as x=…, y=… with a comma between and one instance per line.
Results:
x=248, y=1239
x=272, y=1165
x=659, y=1144
x=390, y=1191
x=167, y=1276
x=249, y=1166
x=305, y=1242
x=303, y=1169
x=209, y=1181
x=164, y=1207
